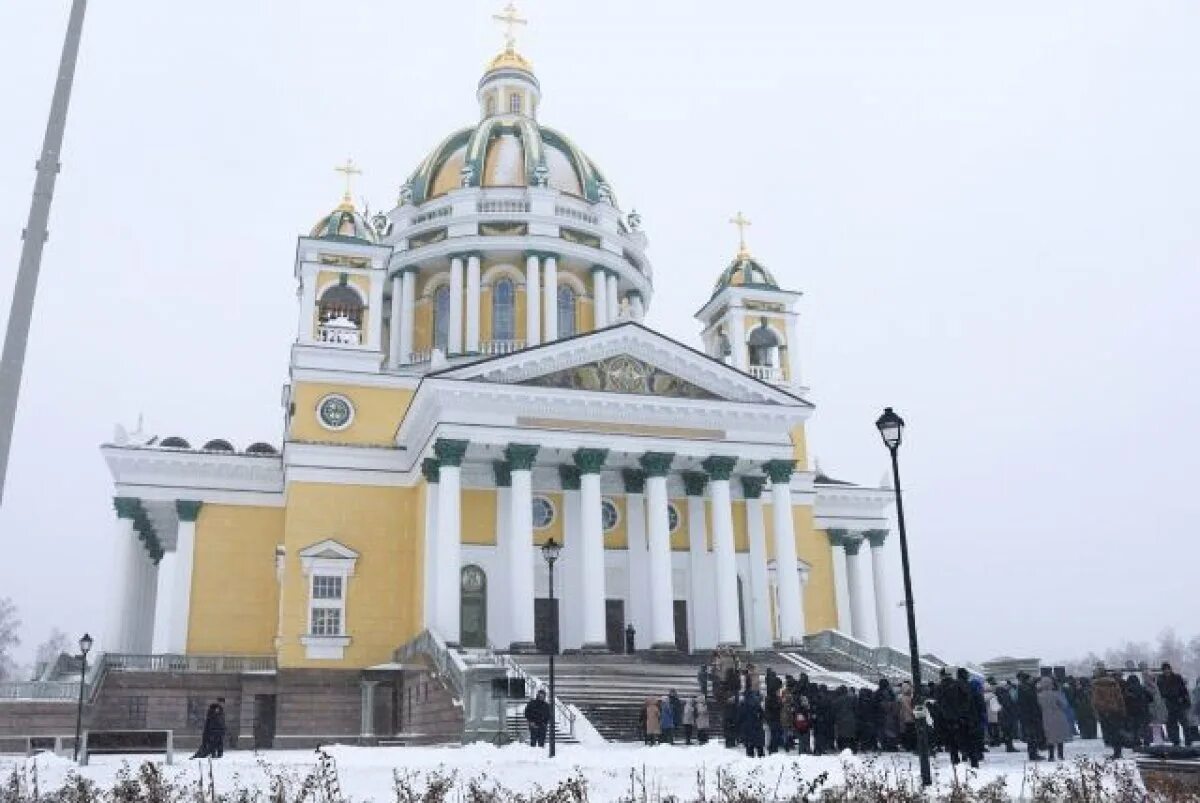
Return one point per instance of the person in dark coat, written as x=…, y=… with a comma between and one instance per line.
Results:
x=773, y=711
x=824, y=729
x=772, y=681
x=1174, y=693
x=729, y=720
x=844, y=719
x=1029, y=714
x=866, y=719
x=750, y=724
x=537, y=717
x=977, y=726
x=1008, y=715
x=212, y=737
x=1137, y=707
x=702, y=678
x=1081, y=702
x=1108, y=701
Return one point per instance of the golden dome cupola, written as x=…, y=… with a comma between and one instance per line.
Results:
x=508, y=87
x=345, y=222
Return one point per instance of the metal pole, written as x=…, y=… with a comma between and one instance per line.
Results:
x=12, y=362
x=553, y=649
x=79, y=710
x=913, y=651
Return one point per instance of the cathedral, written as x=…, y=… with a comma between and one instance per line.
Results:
x=475, y=374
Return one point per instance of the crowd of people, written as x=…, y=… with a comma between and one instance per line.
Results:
x=966, y=716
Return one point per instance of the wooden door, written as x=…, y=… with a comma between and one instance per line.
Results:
x=681, y=625
x=614, y=624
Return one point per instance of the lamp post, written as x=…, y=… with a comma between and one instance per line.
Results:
x=550, y=551
x=85, y=646
x=891, y=429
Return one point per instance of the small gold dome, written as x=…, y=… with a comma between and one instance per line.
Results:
x=510, y=58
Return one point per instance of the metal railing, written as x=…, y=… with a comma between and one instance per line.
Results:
x=564, y=717
x=339, y=334
x=127, y=662
x=496, y=347
x=879, y=658
x=446, y=662
x=39, y=690
x=767, y=373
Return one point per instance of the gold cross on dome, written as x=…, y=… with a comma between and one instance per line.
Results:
x=510, y=19
x=741, y=222
x=350, y=170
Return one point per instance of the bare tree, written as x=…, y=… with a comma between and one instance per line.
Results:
x=9, y=624
x=48, y=651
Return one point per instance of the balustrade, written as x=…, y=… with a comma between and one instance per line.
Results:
x=497, y=347
x=339, y=331
x=767, y=373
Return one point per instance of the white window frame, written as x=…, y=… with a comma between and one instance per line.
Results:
x=515, y=103
x=327, y=559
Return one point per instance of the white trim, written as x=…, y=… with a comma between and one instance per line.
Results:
x=328, y=558
x=330, y=285
x=507, y=270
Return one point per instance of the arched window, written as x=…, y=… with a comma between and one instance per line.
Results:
x=504, y=323
x=340, y=316
x=490, y=104
x=764, y=346
x=441, y=317
x=473, y=608
x=514, y=103
x=566, y=311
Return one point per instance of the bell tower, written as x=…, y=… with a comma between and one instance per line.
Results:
x=750, y=322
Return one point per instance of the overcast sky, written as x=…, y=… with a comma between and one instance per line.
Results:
x=991, y=209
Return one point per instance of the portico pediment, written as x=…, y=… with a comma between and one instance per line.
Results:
x=625, y=359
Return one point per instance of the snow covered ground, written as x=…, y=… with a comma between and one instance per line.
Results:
x=612, y=770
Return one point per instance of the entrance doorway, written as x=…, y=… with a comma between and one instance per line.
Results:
x=614, y=625
x=545, y=625
x=681, y=625
x=473, y=608
x=264, y=721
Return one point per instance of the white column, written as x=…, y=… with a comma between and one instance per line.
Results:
x=374, y=338
x=600, y=297
x=570, y=620
x=160, y=639
x=858, y=607
x=550, y=314
x=841, y=592
x=429, y=467
x=658, y=528
x=185, y=553
x=520, y=555
x=759, y=628
x=450, y=455
x=737, y=338
x=879, y=576
x=454, y=337
x=148, y=604
x=395, y=327
x=791, y=605
x=114, y=637
x=613, y=298
x=533, y=323
x=473, y=301
x=136, y=601
x=793, y=351
x=308, y=308
x=500, y=629
x=591, y=590
x=701, y=609
x=639, y=576
x=728, y=628
x=408, y=290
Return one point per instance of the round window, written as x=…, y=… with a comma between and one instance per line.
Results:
x=335, y=412
x=672, y=518
x=543, y=512
x=609, y=515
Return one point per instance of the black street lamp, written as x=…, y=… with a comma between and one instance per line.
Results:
x=891, y=429
x=550, y=551
x=85, y=646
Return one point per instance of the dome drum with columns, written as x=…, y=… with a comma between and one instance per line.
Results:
x=471, y=376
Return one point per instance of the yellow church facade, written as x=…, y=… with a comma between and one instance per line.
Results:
x=474, y=374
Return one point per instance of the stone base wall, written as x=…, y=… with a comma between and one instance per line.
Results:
x=428, y=711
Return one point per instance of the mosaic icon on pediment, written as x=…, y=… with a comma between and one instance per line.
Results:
x=622, y=374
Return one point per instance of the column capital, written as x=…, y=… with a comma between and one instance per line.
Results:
x=520, y=455
x=127, y=507
x=837, y=537
x=541, y=256
x=450, y=452
x=752, y=487
x=431, y=469
x=461, y=256
x=468, y=254
x=694, y=482
x=569, y=477
x=635, y=480
x=533, y=254
x=590, y=461
x=780, y=470
x=719, y=468
x=187, y=509
x=875, y=537
x=502, y=470
x=852, y=545
x=657, y=464
x=403, y=269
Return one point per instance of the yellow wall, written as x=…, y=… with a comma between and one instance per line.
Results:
x=618, y=537
x=479, y=516
x=555, y=530
x=383, y=598
x=377, y=413
x=820, y=598
x=235, y=597
x=423, y=324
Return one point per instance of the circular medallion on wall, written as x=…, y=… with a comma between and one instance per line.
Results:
x=335, y=411
x=609, y=515
x=543, y=512
x=672, y=518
